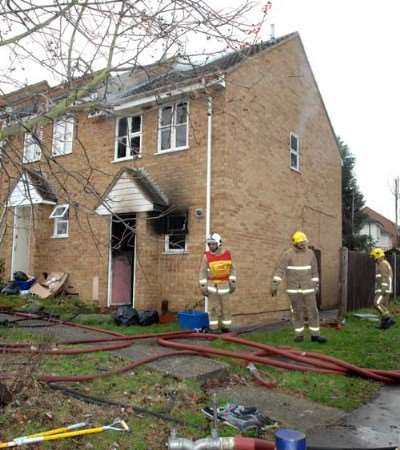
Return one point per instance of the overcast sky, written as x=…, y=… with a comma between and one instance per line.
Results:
x=353, y=47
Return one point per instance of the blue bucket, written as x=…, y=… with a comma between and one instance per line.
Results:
x=192, y=320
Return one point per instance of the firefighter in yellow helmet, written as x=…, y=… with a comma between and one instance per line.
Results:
x=217, y=280
x=383, y=287
x=299, y=265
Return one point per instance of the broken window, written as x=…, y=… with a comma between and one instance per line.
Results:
x=176, y=230
x=173, y=127
x=129, y=137
x=63, y=131
x=294, y=151
x=32, y=150
x=60, y=215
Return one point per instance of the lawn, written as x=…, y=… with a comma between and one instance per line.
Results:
x=36, y=407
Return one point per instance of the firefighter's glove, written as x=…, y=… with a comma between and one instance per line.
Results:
x=316, y=287
x=232, y=284
x=274, y=289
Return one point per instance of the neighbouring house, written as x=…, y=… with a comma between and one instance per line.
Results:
x=122, y=197
x=381, y=230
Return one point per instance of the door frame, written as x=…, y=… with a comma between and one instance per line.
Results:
x=13, y=248
x=109, y=276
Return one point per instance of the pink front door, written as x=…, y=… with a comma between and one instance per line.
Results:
x=123, y=239
x=122, y=272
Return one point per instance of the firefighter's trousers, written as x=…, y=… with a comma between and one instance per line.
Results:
x=381, y=303
x=299, y=303
x=219, y=306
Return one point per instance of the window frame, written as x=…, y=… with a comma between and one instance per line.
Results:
x=37, y=152
x=67, y=144
x=129, y=136
x=62, y=217
x=295, y=152
x=173, y=126
x=174, y=251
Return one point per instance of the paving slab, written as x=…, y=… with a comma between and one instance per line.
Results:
x=183, y=367
x=291, y=412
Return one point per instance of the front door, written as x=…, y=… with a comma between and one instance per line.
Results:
x=122, y=260
x=21, y=239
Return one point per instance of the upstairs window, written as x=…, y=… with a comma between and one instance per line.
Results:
x=294, y=151
x=60, y=215
x=173, y=130
x=32, y=150
x=63, y=133
x=129, y=138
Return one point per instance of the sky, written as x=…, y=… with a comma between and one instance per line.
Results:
x=353, y=48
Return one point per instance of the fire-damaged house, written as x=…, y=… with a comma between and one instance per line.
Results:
x=122, y=196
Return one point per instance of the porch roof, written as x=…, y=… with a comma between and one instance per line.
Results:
x=31, y=188
x=131, y=190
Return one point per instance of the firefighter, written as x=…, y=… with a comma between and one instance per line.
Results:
x=217, y=280
x=299, y=265
x=383, y=287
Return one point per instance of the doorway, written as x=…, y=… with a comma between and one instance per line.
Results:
x=21, y=240
x=122, y=260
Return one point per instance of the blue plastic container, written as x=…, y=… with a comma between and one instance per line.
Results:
x=25, y=285
x=192, y=320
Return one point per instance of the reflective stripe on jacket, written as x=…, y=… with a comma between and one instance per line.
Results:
x=300, y=268
x=383, y=277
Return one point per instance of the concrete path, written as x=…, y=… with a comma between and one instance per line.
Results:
x=376, y=424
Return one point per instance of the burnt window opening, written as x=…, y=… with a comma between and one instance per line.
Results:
x=175, y=222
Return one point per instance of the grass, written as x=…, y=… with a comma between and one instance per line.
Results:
x=358, y=342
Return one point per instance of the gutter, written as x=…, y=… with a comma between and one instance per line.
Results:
x=218, y=82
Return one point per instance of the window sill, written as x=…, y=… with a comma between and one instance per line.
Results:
x=295, y=170
x=61, y=236
x=31, y=162
x=59, y=154
x=129, y=158
x=179, y=252
x=174, y=150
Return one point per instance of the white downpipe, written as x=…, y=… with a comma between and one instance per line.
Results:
x=208, y=194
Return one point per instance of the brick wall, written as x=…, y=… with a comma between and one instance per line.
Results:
x=261, y=201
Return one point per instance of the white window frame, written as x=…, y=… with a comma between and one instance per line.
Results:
x=173, y=126
x=63, y=136
x=36, y=152
x=130, y=135
x=174, y=251
x=294, y=151
x=60, y=215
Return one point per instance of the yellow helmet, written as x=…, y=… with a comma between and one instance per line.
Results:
x=376, y=253
x=299, y=237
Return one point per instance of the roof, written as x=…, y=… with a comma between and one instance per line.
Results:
x=388, y=226
x=31, y=188
x=179, y=74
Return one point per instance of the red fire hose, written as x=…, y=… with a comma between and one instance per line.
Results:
x=267, y=355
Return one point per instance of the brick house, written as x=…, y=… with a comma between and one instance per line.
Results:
x=380, y=229
x=122, y=198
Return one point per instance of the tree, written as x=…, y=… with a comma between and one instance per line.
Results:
x=352, y=203
x=88, y=49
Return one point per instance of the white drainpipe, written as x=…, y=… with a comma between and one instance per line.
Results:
x=208, y=194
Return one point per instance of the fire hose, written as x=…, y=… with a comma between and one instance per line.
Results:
x=263, y=354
